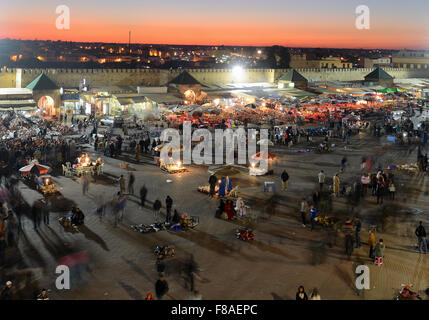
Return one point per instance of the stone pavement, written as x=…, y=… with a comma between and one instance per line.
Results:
x=283, y=256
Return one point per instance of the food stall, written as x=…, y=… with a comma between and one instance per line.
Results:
x=86, y=166
x=263, y=155
x=46, y=186
x=172, y=167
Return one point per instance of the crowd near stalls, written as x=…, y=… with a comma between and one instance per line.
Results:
x=32, y=147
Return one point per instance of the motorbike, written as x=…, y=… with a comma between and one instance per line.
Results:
x=245, y=234
x=406, y=294
x=164, y=251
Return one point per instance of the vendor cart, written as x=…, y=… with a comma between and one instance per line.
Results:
x=173, y=169
x=46, y=187
x=188, y=222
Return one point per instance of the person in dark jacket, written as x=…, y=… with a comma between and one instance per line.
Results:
x=379, y=193
x=168, y=205
x=190, y=269
x=301, y=295
x=77, y=217
x=156, y=208
x=349, y=245
x=176, y=218
x=421, y=237
x=212, y=183
x=37, y=214
x=131, y=180
x=161, y=287
x=143, y=193
x=220, y=209
x=285, y=180
x=358, y=227
x=160, y=266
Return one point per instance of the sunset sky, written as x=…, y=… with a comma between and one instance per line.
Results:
x=303, y=23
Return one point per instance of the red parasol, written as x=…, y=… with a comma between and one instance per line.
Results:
x=34, y=166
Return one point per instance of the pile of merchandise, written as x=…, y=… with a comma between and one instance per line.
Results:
x=155, y=227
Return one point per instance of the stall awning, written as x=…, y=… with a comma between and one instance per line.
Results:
x=125, y=101
x=17, y=104
x=131, y=100
x=163, y=98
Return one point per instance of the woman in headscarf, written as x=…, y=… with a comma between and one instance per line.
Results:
x=301, y=295
x=240, y=207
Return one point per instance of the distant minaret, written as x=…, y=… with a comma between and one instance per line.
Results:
x=129, y=41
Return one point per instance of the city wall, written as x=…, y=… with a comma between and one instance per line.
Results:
x=71, y=78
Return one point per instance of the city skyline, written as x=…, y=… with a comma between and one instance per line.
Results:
x=330, y=24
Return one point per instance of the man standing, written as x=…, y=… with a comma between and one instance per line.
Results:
x=138, y=151
x=343, y=164
x=161, y=287
x=45, y=212
x=191, y=269
x=122, y=184
x=321, y=177
x=85, y=184
x=168, y=205
x=122, y=201
x=143, y=193
x=285, y=180
x=421, y=236
x=36, y=212
x=212, y=183
x=156, y=208
x=336, y=184
x=313, y=215
x=349, y=245
x=379, y=191
x=358, y=226
x=131, y=180
x=303, y=209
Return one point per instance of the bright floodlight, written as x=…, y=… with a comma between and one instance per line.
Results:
x=238, y=73
x=237, y=70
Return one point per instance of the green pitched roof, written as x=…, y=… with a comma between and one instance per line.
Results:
x=292, y=76
x=185, y=78
x=378, y=74
x=42, y=82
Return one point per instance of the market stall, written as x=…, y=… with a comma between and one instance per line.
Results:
x=45, y=185
x=85, y=165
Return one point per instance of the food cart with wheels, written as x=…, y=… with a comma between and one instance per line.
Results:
x=47, y=187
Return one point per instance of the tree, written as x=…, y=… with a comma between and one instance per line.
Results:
x=277, y=57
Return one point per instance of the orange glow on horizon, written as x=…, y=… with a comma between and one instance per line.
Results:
x=231, y=33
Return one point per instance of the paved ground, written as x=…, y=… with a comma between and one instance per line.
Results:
x=284, y=255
